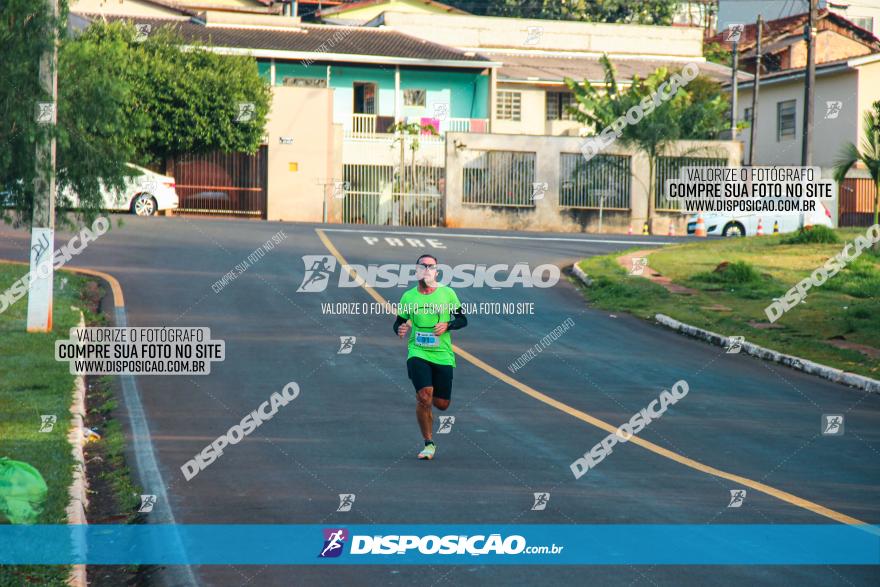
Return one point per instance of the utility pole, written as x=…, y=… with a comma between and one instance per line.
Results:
x=809, y=87
x=759, y=31
x=39, y=316
x=734, y=83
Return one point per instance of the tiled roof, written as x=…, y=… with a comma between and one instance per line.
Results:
x=794, y=25
x=556, y=68
x=319, y=39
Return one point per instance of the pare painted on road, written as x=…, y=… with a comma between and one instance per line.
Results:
x=416, y=243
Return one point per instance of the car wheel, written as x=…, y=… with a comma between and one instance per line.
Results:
x=734, y=229
x=143, y=205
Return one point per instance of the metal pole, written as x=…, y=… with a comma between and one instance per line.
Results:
x=735, y=84
x=759, y=31
x=809, y=86
x=39, y=316
x=601, y=207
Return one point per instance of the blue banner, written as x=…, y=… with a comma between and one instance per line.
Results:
x=525, y=544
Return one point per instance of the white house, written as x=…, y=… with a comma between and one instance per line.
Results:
x=844, y=90
x=529, y=95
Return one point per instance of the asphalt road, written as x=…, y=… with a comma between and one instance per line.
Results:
x=353, y=430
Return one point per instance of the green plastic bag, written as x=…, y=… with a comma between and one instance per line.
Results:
x=22, y=492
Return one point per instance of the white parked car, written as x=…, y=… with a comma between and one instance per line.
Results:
x=144, y=194
x=746, y=223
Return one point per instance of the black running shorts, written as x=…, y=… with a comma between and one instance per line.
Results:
x=427, y=374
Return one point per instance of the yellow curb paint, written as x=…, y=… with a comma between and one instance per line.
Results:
x=601, y=424
x=118, y=300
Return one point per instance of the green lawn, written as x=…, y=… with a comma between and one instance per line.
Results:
x=32, y=383
x=847, y=305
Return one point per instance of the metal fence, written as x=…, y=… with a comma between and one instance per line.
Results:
x=222, y=183
x=670, y=168
x=373, y=194
x=856, y=202
x=603, y=181
x=498, y=178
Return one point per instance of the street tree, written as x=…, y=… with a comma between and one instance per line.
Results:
x=696, y=111
x=121, y=98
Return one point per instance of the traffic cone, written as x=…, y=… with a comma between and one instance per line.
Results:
x=760, y=230
x=645, y=229
x=775, y=227
x=671, y=228
x=700, y=229
x=629, y=229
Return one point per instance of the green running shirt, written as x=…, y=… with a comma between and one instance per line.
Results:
x=417, y=307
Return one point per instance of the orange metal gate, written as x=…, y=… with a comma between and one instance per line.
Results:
x=857, y=202
x=232, y=184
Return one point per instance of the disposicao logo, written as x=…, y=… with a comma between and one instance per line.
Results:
x=334, y=542
x=320, y=269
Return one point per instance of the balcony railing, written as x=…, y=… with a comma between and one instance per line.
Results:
x=466, y=125
x=365, y=126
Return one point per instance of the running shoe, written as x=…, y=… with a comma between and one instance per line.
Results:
x=427, y=452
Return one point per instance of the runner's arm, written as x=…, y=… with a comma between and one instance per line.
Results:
x=459, y=320
x=400, y=320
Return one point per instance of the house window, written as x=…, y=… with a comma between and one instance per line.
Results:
x=509, y=106
x=557, y=105
x=304, y=82
x=414, y=97
x=865, y=22
x=785, y=120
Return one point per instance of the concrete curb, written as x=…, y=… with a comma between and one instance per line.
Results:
x=79, y=501
x=830, y=373
x=579, y=273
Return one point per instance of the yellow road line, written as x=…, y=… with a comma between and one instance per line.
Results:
x=610, y=428
x=118, y=300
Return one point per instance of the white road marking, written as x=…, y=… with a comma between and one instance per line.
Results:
x=501, y=236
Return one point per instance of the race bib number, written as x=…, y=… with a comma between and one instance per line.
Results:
x=426, y=339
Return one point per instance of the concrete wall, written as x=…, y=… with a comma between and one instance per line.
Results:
x=299, y=173
x=532, y=111
x=365, y=13
x=547, y=215
x=830, y=46
x=533, y=118
x=615, y=39
x=385, y=151
x=868, y=91
x=830, y=134
x=124, y=8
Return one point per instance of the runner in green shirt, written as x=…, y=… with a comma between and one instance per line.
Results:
x=427, y=313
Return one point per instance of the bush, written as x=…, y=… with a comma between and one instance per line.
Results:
x=812, y=235
x=738, y=272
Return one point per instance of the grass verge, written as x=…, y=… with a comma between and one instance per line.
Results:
x=33, y=384
x=845, y=311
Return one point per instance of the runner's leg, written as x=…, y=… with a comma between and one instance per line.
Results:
x=441, y=376
x=420, y=374
x=423, y=411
